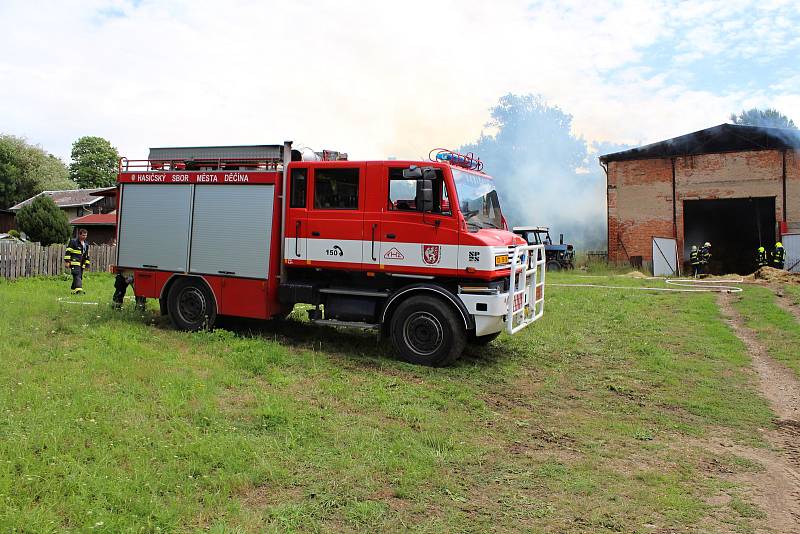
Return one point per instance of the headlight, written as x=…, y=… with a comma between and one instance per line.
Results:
x=501, y=259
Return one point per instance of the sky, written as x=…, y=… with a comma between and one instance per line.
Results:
x=378, y=79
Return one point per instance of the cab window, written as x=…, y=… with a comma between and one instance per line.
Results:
x=336, y=189
x=298, y=185
x=403, y=193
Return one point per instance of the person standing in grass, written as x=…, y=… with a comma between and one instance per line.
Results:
x=705, y=257
x=694, y=259
x=121, y=283
x=76, y=259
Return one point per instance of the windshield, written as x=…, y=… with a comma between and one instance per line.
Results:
x=478, y=200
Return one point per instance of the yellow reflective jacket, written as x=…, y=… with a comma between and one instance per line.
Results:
x=75, y=255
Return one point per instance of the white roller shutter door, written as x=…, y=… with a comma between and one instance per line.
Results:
x=232, y=230
x=154, y=226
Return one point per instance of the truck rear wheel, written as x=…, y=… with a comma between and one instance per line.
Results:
x=191, y=305
x=427, y=331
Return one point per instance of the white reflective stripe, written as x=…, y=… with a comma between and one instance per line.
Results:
x=295, y=249
x=337, y=250
x=481, y=258
x=391, y=253
x=430, y=255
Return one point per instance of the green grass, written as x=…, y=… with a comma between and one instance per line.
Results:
x=793, y=292
x=591, y=420
x=776, y=328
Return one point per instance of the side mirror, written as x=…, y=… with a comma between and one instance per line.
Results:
x=412, y=173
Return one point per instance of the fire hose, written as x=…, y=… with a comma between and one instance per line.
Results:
x=686, y=285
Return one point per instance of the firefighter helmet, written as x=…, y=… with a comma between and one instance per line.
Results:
x=707, y=244
x=761, y=249
x=778, y=245
x=694, y=248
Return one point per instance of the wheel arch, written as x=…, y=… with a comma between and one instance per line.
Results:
x=427, y=289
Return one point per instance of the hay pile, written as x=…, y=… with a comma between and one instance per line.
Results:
x=636, y=274
x=769, y=274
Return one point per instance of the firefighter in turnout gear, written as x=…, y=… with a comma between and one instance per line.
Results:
x=761, y=258
x=121, y=283
x=778, y=256
x=705, y=257
x=76, y=259
x=694, y=259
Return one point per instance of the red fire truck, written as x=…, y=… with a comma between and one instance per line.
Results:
x=417, y=250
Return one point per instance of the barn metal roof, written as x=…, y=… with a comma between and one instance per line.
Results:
x=720, y=138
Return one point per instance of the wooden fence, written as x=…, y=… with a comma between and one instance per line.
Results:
x=25, y=259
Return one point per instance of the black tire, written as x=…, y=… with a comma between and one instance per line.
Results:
x=191, y=305
x=427, y=331
x=483, y=340
x=553, y=265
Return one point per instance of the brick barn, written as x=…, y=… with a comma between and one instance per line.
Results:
x=737, y=187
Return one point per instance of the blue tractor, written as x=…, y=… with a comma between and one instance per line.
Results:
x=558, y=256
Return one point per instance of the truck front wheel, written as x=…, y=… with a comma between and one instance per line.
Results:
x=191, y=305
x=427, y=331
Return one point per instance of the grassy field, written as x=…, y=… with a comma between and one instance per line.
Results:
x=793, y=291
x=592, y=420
x=776, y=328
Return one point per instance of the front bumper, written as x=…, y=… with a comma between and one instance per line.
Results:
x=520, y=305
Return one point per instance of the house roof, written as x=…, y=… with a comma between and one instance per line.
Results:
x=105, y=192
x=69, y=198
x=720, y=138
x=96, y=219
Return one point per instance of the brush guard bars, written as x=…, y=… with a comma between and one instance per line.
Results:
x=526, y=290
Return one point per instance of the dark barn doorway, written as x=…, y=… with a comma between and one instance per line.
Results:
x=736, y=227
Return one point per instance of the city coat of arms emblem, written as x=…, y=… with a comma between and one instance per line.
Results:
x=431, y=254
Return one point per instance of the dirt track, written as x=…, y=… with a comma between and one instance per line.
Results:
x=777, y=489
x=786, y=303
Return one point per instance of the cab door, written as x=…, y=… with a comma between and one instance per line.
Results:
x=336, y=216
x=414, y=242
x=297, y=200
x=374, y=206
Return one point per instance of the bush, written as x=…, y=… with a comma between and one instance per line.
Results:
x=43, y=221
x=14, y=233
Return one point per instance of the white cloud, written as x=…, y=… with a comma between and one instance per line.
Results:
x=373, y=79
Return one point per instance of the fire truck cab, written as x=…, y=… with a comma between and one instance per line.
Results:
x=418, y=251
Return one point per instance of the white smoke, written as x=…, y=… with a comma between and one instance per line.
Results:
x=545, y=174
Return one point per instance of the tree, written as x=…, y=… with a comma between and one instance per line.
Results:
x=767, y=118
x=43, y=221
x=542, y=171
x=94, y=162
x=26, y=170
